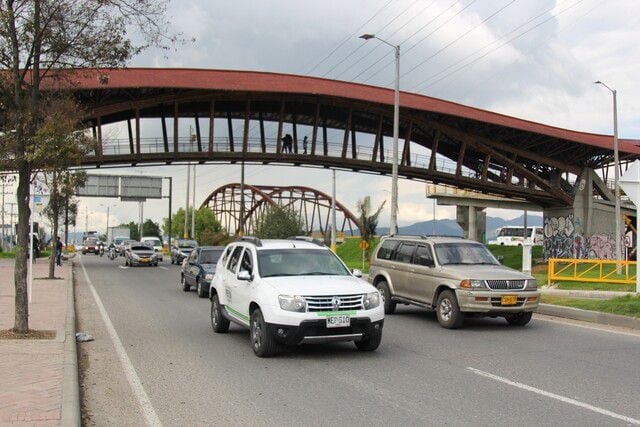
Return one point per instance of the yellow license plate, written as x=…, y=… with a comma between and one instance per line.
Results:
x=147, y=260
x=508, y=300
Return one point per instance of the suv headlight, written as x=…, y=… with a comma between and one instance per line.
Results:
x=371, y=300
x=472, y=284
x=532, y=285
x=208, y=277
x=292, y=303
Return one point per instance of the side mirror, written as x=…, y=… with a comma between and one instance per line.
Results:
x=245, y=276
x=356, y=273
x=427, y=262
x=500, y=258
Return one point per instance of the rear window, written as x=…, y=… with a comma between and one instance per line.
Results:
x=210, y=257
x=386, y=249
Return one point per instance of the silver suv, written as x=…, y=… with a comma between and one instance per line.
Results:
x=454, y=276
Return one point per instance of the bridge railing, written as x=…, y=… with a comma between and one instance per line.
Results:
x=591, y=271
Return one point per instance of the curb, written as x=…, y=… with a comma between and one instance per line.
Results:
x=584, y=294
x=589, y=316
x=70, y=412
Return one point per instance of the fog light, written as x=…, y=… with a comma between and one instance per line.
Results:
x=376, y=326
x=282, y=333
x=482, y=298
x=532, y=298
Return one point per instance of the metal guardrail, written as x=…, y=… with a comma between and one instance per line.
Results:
x=591, y=270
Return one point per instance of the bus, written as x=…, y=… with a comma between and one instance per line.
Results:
x=514, y=236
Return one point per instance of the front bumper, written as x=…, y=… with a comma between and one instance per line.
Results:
x=316, y=331
x=140, y=262
x=489, y=302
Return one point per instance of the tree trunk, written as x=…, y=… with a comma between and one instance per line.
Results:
x=21, y=324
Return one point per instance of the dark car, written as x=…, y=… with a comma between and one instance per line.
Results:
x=180, y=249
x=90, y=245
x=140, y=254
x=200, y=268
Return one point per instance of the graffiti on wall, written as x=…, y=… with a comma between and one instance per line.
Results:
x=564, y=238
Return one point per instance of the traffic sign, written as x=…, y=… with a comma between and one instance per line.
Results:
x=364, y=245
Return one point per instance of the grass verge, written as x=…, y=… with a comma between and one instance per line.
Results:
x=626, y=305
x=351, y=254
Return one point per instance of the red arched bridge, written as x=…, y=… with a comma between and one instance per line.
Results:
x=313, y=207
x=243, y=116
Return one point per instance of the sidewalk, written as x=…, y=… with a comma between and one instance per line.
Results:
x=39, y=381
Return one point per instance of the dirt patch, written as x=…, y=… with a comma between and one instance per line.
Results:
x=541, y=268
x=9, y=334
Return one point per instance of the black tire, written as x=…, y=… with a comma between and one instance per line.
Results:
x=519, y=319
x=219, y=323
x=201, y=292
x=126, y=262
x=263, y=344
x=185, y=286
x=383, y=288
x=448, y=311
x=171, y=260
x=371, y=342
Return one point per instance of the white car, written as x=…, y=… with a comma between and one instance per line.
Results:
x=155, y=243
x=290, y=292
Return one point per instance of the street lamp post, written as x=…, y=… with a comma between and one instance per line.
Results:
x=393, y=226
x=616, y=174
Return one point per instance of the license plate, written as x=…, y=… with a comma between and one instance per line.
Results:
x=508, y=300
x=144, y=259
x=338, y=322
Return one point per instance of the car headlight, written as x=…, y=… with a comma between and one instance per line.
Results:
x=208, y=277
x=134, y=256
x=292, y=303
x=532, y=285
x=472, y=284
x=371, y=300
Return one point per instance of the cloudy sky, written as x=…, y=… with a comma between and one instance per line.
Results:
x=533, y=59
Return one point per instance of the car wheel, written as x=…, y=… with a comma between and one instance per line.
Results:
x=371, y=342
x=519, y=319
x=126, y=262
x=389, y=306
x=171, y=260
x=448, y=311
x=219, y=323
x=185, y=285
x=201, y=292
x=263, y=344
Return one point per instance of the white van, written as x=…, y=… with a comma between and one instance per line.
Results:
x=514, y=236
x=155, y=243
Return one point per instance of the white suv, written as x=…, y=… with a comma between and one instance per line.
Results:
x=290, y=292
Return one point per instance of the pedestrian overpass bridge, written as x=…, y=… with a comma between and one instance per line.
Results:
x=170, y=116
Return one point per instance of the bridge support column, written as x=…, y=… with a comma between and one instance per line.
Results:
x=473, y=220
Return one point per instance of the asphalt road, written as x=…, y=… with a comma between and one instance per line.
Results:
x=488, y=373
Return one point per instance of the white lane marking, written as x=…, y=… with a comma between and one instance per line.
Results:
x=164, y=268
x=580, y=324
x=124, y=267
x=146, y=407
x=555, y=396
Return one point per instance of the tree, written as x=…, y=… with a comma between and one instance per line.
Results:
x=150, y=229
x=205, y=220
x=368, y=219
x=40, y=42
x=278, y=223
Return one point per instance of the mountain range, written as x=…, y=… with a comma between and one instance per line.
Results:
x=449, y=227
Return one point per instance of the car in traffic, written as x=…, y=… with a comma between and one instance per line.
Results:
x=291, y=292
x=455, y=276
x=155, y=243
x=180, y=249
x=140, y=254
x=90, y=245
x=200, y=269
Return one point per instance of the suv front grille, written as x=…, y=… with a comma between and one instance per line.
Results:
x=334, y=303
x=506, y=284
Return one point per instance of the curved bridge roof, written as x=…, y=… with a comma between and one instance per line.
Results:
x=441, y=141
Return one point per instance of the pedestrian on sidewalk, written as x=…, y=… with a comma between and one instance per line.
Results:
x=58, y=251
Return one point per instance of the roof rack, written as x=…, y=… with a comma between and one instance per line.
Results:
x=250, y=239
x=307, y=239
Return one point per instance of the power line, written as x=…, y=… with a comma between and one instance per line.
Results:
x=494, y=49
x=459, y=38
x=348, y=38
x=360, y=46
x=421, y=40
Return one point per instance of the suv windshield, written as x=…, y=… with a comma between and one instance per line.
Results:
x=463, y=253
x=299, y=262
x=187, y=244
x=210, y=257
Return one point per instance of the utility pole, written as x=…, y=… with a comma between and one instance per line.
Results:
x=186, y=210
x=13, y=237
x=333, y=214
x=141, y=218
x=86, y=221
x=241, y=224
x=170, y=195
x=193, y=206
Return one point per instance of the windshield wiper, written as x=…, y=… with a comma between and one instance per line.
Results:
x=282, y=274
